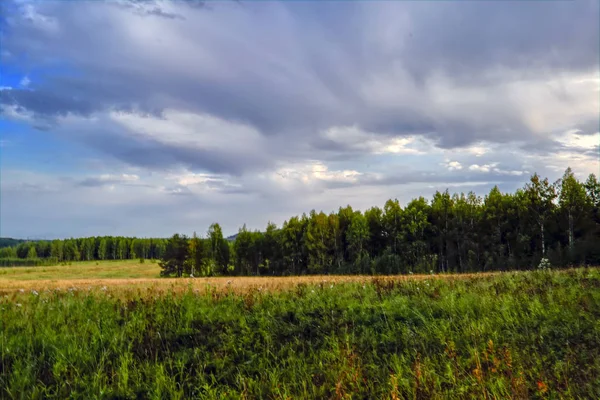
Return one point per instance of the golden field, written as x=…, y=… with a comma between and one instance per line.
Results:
x=131, y=275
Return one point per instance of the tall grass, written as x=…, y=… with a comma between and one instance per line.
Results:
x=518, y=335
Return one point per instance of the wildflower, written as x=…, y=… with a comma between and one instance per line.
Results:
x=229, y=282
x=103, y=288
x=331, y=287
x=542, y=387
x=19, y=305
x=33, y=292
x=22, y=290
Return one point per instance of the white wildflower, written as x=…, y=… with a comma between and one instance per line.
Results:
x=35, y=293
x=19, y=305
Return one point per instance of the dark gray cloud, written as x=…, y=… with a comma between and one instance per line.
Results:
x=469, y=37
x=308, y=77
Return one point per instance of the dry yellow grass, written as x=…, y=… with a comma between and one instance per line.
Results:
x=82, y=270
x=130, y=276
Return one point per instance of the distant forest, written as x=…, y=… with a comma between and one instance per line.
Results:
x=556, y=222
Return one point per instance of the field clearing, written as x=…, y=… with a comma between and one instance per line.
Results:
x=121, y=269
x=131, y=275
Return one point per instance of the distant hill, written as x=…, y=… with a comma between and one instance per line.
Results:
x=9, y=242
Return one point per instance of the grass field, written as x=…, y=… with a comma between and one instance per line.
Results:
x=131, y=275
x=514, y=335
x=123, y=269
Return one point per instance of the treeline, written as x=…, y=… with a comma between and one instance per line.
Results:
x=27, y=262
x=8, y=242
x=83, y=249
x=556, y=222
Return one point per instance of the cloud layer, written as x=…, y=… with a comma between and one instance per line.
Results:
x=276, y=108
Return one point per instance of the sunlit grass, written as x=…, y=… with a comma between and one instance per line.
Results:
x=132, y=269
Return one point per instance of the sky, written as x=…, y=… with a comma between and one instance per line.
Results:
x=146, y=118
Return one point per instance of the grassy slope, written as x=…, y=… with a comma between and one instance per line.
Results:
x=522, y=335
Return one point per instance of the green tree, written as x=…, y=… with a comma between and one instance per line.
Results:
x=318, y=240
x=57, y=250
x=8, y=252
x=573, y=203
x=103, y=249
x=540, y=196
x=176, y=255
x=357, y=237
x=197, y=264
x=392, y=219
x=32, y=253
x=376, y=243
x=219, y=248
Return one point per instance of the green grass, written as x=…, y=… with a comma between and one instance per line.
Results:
x=83, y=270
x=517, y=335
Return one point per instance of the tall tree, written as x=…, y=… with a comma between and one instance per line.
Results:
x=197, y=258
x=573, y=203
x=176, y=255
x=32, y=253
x=540, y=196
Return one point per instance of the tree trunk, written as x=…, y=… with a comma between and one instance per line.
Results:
x=571, y=234
x=543, y=240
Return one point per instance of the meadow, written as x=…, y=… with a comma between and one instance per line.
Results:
x=509, y=335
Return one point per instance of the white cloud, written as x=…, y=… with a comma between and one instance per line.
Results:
x=573, y=138
x=486, y=168
x=354, y=138
x=310, y=174
x=481, y=168
x=119, y=177
x=191, y=129
x=453, y=165
x=25, y=81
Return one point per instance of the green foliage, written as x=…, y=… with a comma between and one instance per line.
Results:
x=27, y=262
x=176, y=256
x=516, y=335
x=32, y=253
x=8, y=252
x=10, y=242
